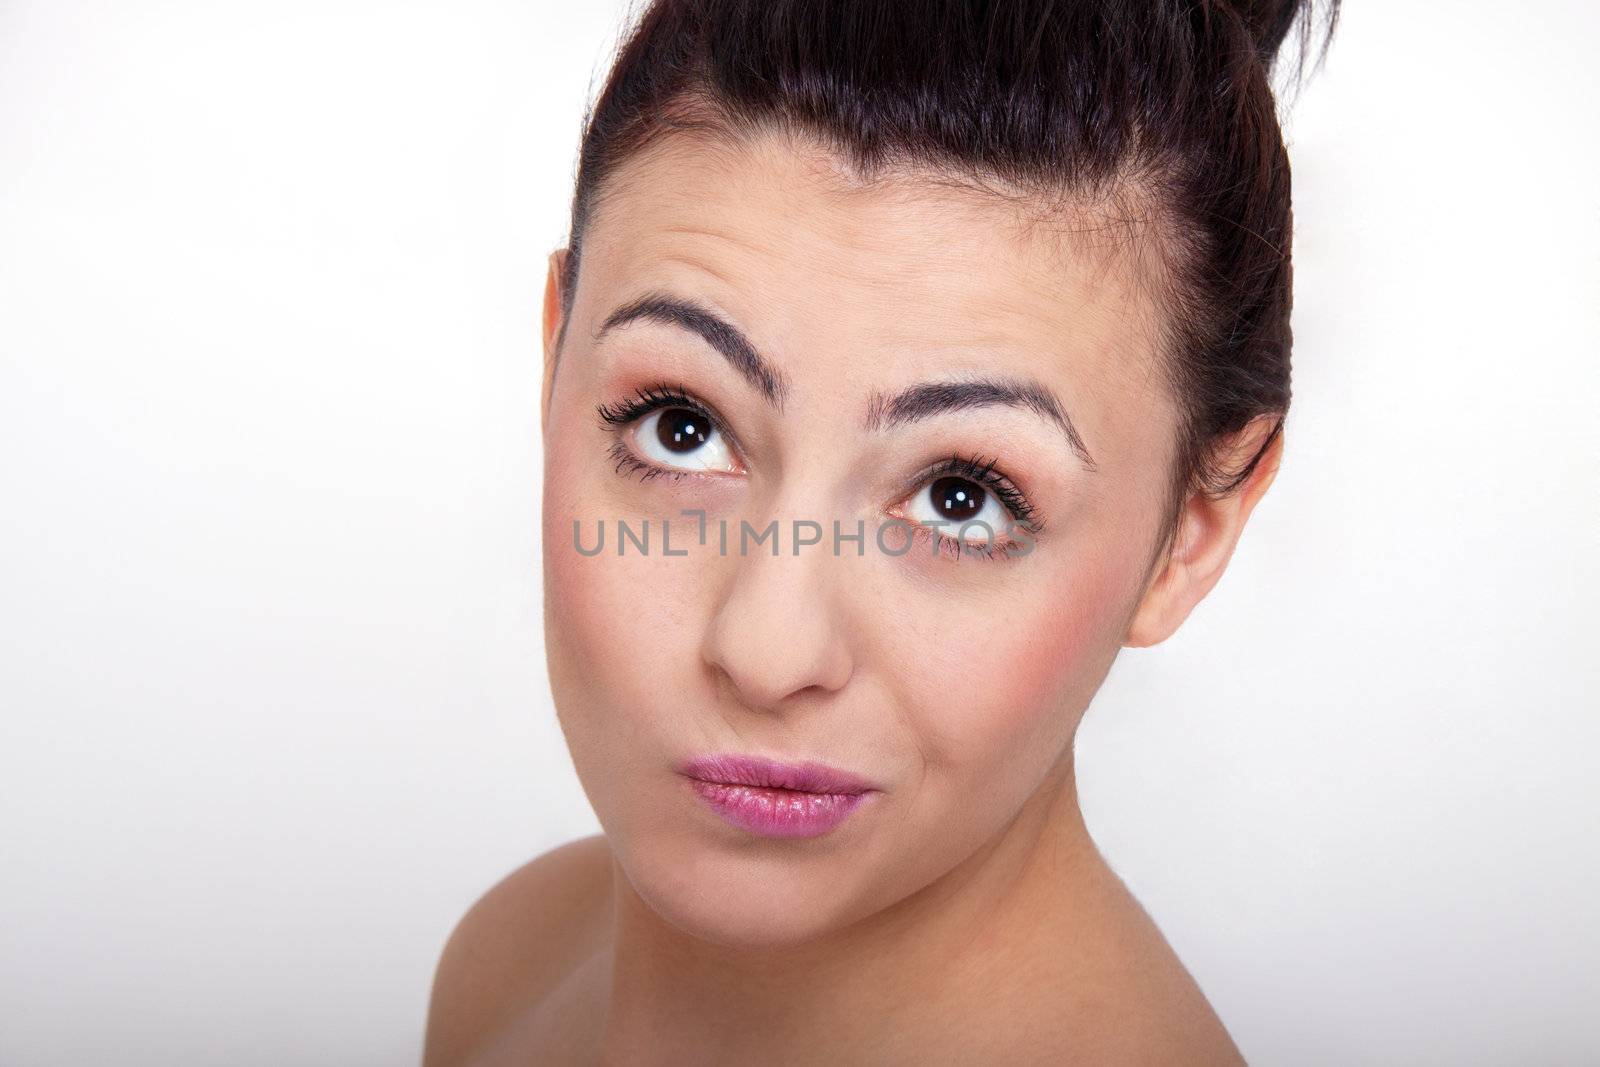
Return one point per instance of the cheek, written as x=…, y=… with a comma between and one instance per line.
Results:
x=620, y=617
x=1005, y=689
x=619, y=627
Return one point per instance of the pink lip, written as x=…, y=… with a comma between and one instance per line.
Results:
x=776, y=799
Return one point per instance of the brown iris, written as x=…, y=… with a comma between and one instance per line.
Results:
x=682, y=430
x=956, y=499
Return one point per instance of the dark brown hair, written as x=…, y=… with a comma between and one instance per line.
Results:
x=1162, y=110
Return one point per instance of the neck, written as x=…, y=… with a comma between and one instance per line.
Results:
x=976, y=935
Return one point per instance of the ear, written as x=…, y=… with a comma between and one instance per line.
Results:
x=1204, y=540
x=553, y=314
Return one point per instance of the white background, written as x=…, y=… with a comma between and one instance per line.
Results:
x=271, y=665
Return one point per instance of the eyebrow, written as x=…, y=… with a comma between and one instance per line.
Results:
x=913, y=404
x=937, y=398
x=716, y=331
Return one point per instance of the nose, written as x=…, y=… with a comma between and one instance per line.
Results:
x=777, y=634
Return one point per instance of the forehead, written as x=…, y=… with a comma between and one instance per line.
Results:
x=878, y=281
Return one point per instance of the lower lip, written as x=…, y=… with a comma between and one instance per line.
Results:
x=778, y=812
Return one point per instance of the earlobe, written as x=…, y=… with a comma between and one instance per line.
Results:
x=551, y=331
x=1166, y=601
x=1207, y=533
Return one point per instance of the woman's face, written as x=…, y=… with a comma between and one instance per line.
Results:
x=914, y=353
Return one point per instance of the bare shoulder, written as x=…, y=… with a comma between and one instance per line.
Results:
x=516, y=943
x=1153, y=1011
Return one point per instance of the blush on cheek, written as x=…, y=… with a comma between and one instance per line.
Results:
x=1013, y=694
x=1037, y=670
x=615, y=659
x=1073, y=639
x=627, y=627
x=592, y=603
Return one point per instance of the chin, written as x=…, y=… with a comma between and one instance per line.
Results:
x=752, y=897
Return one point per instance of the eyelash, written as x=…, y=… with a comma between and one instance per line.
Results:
x=649, y=399
x=645, y=400
x=975, y=469
x=615, y=416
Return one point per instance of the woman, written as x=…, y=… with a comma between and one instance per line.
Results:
x=906, y=361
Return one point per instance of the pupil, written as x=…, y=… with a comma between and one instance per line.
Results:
x=680, y=430
x=957, y=499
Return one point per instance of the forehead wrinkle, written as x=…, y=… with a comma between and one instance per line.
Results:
x=877, y=231
x=684, y=259
x=951, y=299
x=922, y=209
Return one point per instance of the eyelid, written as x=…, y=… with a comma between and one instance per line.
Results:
x=666, y=395
x=981, y=472
x=958, y=549
x=986, y=474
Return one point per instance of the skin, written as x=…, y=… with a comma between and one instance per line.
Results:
x=964, y=915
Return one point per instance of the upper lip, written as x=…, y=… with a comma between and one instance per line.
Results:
x=809, y=776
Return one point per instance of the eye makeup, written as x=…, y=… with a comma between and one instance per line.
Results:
x=984, y=474
x=648, y=399
x=975, y=469
x=963, y=478
x=645, y=402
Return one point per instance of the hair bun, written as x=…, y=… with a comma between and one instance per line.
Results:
x=1269, y=22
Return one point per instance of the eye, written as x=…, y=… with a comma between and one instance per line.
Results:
x=950, y=500
x=965, y=491
x=664, y=430
x=680, y=438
